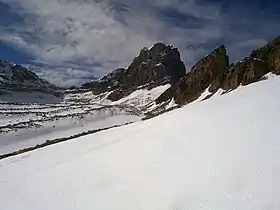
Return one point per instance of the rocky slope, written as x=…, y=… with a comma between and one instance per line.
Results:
x=207, y=72
x=254, y=67
x=213, y=72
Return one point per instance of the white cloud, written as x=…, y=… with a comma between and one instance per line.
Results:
x=88, y=32
x=95, y=37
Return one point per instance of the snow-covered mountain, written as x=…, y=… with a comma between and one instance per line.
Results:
x=34, y=112
x=17, y=78
x=75, y=150
x=153, y=70
x=220, y=153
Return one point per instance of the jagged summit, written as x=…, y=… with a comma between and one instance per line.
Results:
x=213, y=72
x=159, y=65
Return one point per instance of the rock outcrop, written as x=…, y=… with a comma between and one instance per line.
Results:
x=214, y=72
x=245, y=72
x=253, y=68
x=208, y=72
x=270, y=53
x=156, y=66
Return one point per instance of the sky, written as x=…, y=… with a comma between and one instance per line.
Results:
x=69, y=42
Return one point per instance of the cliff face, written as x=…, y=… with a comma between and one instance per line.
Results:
x=208, y=72
x=214, y=72
x=254, y=67
x=156, y=66
x=245, y=72
x=270, y=54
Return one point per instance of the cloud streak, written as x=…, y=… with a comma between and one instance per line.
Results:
x=88, y=37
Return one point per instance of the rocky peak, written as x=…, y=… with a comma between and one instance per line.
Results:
x=15, y=77
x=208, y=72
x=159, y=65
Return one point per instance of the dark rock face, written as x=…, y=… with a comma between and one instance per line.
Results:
x=274, y=60
x=207, y=72
x=152, y=67
x=245, y=72
x=18, y=78
x=253, y=68
x=270, y=54
x=214, y=72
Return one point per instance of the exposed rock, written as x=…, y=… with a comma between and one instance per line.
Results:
x=252, y=69
x=156, y=66
x=264, y=52
x=245, y=72
x=161, y=64
x=274, y=60
x=270, y=53
x=214, y=72
x=208, y=72
x=234, y=77
x=274, y=57
x=17, y=78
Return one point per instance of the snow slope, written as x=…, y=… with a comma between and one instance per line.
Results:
x=33, y=118
x=23, y=126
x=221, y=153
x=28, y=119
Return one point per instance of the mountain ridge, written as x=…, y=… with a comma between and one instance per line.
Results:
x=146, y=89
x=159, y=66
x=211, y=73
x=249, y=70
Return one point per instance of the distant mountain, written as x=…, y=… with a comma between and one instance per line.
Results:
x=16, y=77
